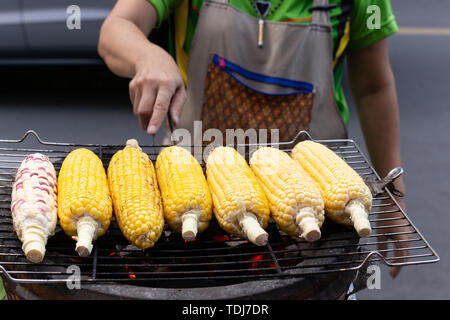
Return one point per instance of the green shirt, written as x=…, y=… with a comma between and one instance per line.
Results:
x=348, y=20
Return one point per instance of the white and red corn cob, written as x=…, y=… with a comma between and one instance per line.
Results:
x=34, y=204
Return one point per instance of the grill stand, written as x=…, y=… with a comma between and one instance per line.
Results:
x=331, y=265
x=323, y=287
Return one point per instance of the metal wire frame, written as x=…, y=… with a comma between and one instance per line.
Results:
x=215, y=257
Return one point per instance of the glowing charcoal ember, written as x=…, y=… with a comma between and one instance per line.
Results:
x=131, y=274
x=221, y=238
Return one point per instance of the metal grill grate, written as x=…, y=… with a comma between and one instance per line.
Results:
x=214, y=258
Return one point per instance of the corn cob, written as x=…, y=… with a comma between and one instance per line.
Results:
x=240, y=205
x=185, y=193
x=84, y=202
x=136, y=197
x=347, y=198
x=33, y=204
x=294, y=198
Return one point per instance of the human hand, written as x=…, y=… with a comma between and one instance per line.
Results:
x=156, y=88
x=402, y=244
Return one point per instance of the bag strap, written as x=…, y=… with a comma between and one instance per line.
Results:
x=321, y=12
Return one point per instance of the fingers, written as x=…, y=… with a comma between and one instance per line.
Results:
x=160, y=108
x=177, y=104
x=146, y=107
x=143, y=97
x=394, y=271
x=401, y=251
x=132, y=93
x=398, y=233
x=152, y=98
x=382, y=245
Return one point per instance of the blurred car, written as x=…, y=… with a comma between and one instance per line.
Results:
x=49, y=31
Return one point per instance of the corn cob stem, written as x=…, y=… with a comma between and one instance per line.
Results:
x=34, y=241
x=132, y=143
x=306, y=220
x=87, y=227
x=252, y=229
x=190, y=224
x=358, y=215
x=250, y=225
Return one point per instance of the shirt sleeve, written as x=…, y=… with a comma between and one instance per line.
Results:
x=363, y=29
x=163, y=8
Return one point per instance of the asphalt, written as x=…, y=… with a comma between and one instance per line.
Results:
x=89, y=105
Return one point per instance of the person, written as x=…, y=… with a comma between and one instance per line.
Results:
x=288, y=56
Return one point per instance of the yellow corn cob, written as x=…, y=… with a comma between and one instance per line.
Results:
x=84, y=202
x=135, y=195
x=347, y=198
x=294, y=197
x=186, y=197
x=240, y=205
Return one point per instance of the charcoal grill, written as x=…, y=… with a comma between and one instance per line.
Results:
x=286, y=266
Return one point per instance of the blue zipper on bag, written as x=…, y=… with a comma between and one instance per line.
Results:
x=230, y=68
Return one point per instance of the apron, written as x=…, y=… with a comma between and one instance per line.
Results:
x=287, y=83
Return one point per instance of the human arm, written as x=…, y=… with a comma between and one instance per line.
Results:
x=373, y=88
x=157, y=85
